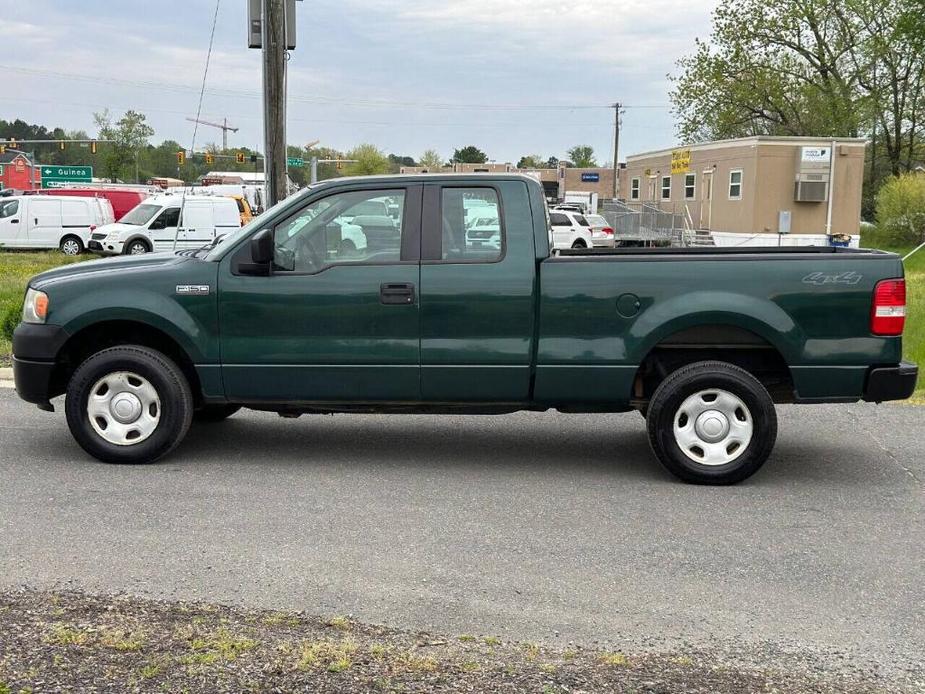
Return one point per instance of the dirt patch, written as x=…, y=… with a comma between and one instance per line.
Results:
x=69, y=641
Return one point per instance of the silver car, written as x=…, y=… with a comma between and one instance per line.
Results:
x=601, y=231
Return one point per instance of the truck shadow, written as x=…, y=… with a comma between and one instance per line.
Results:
x=522, y=442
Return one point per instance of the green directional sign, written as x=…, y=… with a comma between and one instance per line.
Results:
x=295, y=162
x=56, y=176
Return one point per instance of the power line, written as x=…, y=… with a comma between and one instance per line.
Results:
x=315, y=99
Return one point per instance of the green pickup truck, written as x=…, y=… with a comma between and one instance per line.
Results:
x=440, y=294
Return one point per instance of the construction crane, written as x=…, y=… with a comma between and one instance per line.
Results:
x=223, y=126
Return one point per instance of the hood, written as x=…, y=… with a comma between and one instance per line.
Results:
x=116, y=227
x=121, y=264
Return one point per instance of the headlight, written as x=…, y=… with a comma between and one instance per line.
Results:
x=35, y=308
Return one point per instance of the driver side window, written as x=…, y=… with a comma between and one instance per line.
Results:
x=168, y=219
x=360, y=226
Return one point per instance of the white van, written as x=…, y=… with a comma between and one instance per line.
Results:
x=47, y=221
x=155, y=225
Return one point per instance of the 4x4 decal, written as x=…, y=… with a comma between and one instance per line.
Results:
x=821, y=278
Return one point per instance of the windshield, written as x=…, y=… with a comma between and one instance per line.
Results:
x=141, y=214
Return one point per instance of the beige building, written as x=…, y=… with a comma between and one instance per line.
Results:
x=556, y=182
x=742, y=190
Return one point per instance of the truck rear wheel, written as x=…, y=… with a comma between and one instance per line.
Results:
x=128, y=404
x=711, y=423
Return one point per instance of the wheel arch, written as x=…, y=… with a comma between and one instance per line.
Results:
x=111, y=332
x=723, y=341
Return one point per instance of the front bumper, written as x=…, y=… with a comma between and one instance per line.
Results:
x=34, y=350
x=891, y=382
x=106, y=247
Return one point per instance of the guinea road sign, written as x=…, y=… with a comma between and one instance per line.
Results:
x=55, y=176
x=295, y=162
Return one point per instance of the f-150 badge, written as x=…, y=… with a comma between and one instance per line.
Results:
x=192, y=289
x=820, y=278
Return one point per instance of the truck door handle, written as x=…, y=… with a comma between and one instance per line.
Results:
x=398, y=293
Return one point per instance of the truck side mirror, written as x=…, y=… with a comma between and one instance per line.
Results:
x=262, y=247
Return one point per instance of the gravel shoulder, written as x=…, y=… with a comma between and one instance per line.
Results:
x=72, y=641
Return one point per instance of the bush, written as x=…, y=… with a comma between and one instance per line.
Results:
x=10, y=320
x=901, y=208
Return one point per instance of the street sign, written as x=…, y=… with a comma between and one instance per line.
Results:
x=57, y=176
x=590, y=177
x=295, y=162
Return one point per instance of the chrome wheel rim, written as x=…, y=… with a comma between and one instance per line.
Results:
x=713, y=427
x=70, y=247
x=123, y=408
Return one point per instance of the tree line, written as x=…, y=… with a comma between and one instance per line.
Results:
x=125, y=153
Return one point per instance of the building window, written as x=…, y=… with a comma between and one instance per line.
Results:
x=634, y=189
x=690, y=186
x=666, y=187
x=735, y=184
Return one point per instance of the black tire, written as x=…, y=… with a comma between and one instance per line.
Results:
x=690, y=380
x=173, y=392
x=136, y=247
x=579, y=244
x=214, y=413
x=71, y=245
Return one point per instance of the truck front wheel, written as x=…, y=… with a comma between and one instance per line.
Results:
x=711, y=423
x=128, y=404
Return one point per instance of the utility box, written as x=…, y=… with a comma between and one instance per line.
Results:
x=255, y=24
x=812, y=174
x=783, y=222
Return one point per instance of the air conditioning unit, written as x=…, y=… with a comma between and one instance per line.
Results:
x=812, y=173
x=811, y=188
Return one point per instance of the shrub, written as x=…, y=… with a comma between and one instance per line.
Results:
x=10, y=319
x=901, y=208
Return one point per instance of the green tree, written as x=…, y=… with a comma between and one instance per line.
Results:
x=531, y=161
x=431, y=160
x=470, y=155
x=129, y=135
x=370, y=161
x=582, y=156
x=901, y=207
x=552, y=163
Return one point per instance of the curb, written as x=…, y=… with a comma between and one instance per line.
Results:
x=6, y=373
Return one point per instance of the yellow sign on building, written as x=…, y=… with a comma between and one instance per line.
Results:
x=680, y=161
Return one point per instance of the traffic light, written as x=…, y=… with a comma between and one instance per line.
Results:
x=339, y=165
x=209, y=158
x=181, y=158
x=12, y=143
x=92, y=146
x=239, y=157
x=2, y=149
x=61, y=145
x=253, y=159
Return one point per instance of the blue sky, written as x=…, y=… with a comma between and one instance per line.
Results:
x=513, y=77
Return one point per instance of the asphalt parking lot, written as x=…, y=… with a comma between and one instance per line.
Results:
x=542, y=527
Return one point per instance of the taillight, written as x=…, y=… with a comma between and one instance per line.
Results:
x=888, y=311
x=607, y=231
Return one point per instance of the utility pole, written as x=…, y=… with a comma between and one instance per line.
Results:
x=274, y=99
x=616, y=146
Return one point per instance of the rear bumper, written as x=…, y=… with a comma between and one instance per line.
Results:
x=891, y=382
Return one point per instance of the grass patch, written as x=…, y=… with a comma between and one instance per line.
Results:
x=63, y=635
x=125, y=642
x=220, y=645
x=339, y=623
x=333, y=656
x=16, y=268
x=491, y=640
x=615, y=659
